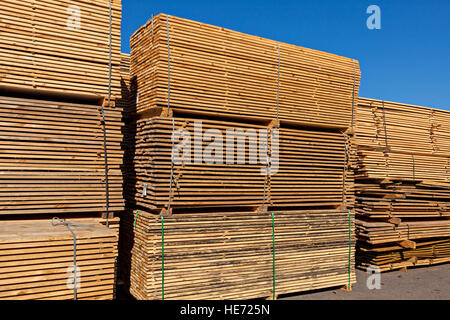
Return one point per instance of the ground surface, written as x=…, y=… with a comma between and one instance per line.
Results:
x=425, y=283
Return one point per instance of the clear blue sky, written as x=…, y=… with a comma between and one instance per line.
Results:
x=408, y=60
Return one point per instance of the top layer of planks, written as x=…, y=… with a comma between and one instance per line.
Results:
x=60, y=46
x=220, y=72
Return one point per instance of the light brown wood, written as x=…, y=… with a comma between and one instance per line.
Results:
x=35, y=257
x=39, y=50
x=221, y=72
x=230, y=255
x=402, y=184
x=52, y=157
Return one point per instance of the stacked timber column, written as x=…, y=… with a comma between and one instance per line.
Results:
x=231, y=232
x=60, y=148
x=402, y=185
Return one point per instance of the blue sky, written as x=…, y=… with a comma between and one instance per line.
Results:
x=407, y=60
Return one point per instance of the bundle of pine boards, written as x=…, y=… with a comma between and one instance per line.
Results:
x=220, y=72
x=311, y=170
x=402, y=184
x=52, y=157
x=61, y=46
x=239, y=255
x=36, y=260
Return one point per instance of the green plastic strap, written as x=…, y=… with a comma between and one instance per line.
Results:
x=135, y=219
x=162, y=254
x=273, y=253
x=349, y=247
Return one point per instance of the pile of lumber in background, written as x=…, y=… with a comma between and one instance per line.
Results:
x=36, y=260
x=219, y=232
x=394, y=257
x=222, y=256
x=62, y=78
x=402, y=173
x=220, y=72
x=60, y=45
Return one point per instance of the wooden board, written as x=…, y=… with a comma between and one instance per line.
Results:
x=43, y=48
x=230, y=255
x=220, y=72
x=35, y=260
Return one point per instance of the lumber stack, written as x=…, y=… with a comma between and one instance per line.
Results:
x=310, y=172
x=52, y=157
x=402, y=183
x=61, y=77
x=222, y=256
x=426, y=253
x=60, y=46
x=36, y=257
x=221, y=72
x=210, y=86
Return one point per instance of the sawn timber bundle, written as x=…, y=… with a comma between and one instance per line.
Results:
x=61, y=46
x=239, y=255
x=52, y=157
x=36, y=260
x=313, y=167
x=214, y=71
x=402, y=183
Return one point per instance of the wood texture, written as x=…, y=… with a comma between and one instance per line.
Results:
x=310, y=174
x=35, y=258
x=402, y=174
x=52, y=157
x=38, y=50
x=395, y=257
x=220, y=72
x=230, y=255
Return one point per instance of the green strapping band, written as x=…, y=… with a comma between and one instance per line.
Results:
x=349, y=247
x=273, y=253
x=135, y=219
x=162, y=254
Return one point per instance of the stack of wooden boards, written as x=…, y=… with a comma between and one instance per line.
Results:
x=242, y=255
x=61, y=74
x=402, y=184
x=52, y=158
x=220, y=72
x=218, y=89
x=60, y=46
x=427, y=252
x=309, y=172
x=36, y=260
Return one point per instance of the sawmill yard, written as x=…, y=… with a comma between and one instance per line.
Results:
x=207, y=164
